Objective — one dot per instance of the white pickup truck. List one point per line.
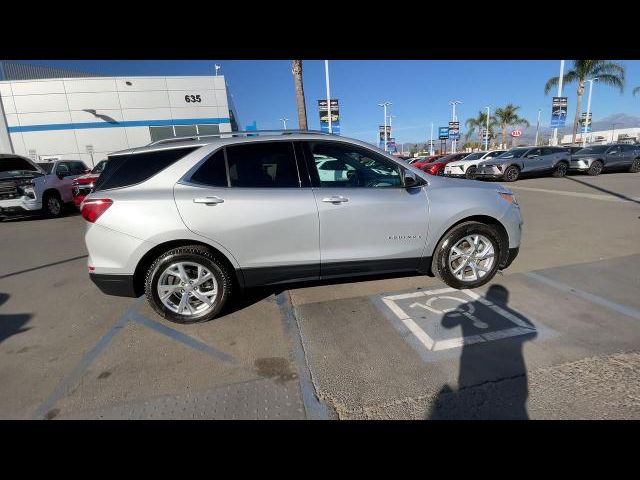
(27, 187)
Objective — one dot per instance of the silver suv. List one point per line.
(526, 161)
(185, 221)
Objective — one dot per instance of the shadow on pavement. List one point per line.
(600, 189)
(492, 378)
(11, 324)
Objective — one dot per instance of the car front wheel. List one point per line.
(511, 174)
(52, 205)
(635, 166)
(468, 255)
(595, 168)
(471, 173)
(188, 285)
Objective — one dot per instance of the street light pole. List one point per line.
(454, 143)
(431, 141)
(561, 78)
(284, 122)
(384, 105)
(326, 78)
(538, 127)
(586, 120)
(486, 140)
(613, 131)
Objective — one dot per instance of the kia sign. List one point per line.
(516, 133)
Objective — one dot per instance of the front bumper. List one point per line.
(117, 285)
(19, 206)
(582, 164)
(513, 253)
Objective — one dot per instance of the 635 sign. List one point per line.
(192, 98)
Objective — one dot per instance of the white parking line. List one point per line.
(592, 196)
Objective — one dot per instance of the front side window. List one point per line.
(78, 168)
(63, 169)
(212, 172)
(263, 165)
(342, 165)
(515, 153)
(614, 149)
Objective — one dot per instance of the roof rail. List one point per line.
(248, 133)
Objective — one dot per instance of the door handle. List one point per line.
(208, 200)
(335, 199)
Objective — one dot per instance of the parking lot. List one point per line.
(556, 336)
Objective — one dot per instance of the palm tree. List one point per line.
(608, 72)
(479, 123)
(508, 116)
(296, 69)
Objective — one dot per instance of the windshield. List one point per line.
(99, 167)
(594, 149)
(47, 167)
(474, 156)
(515, 153)
(15, 167)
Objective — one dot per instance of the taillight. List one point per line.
(92, 209)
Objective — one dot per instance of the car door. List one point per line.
(628, 155)
(614, 157)
(532, 161)
(251, 201)
(372, 223)
(63, 179)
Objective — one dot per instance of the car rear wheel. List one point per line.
(188, 285)
(468, 255)
(561, 169)
(511, 174)
(440, 172)
(52, 205)
(635, 166)
(595, 168)
(471, 173)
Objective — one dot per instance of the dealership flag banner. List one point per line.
(585, 125)
(443, 133)
(391, 146)
(381, 130)
(558, 112)
(324, 117)
(454, 130)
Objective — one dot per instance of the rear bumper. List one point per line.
(117, 285)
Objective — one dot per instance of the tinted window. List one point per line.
(132, 168)
(474, 156)
(263, 165)
(212, 172)
(549, 151)
(493, 154)
(595, 149)
(353, 166)
(99, 167)
(77, 168)
(516, 153)
(63, 168)
(628, 148)
(47, 167)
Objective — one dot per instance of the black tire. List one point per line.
(470, 174)
(52, 206)
(561, 169)
(595, 168)
(440, 266)
(635, 166)
(511, 174)
(196, 254)
(440, 172)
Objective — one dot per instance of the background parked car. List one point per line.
(520, 161)
(436, 167)
(83, 184)
(467, 166)
(426, 160)
(27, 187)
(598, 158)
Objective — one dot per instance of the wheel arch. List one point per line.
(485, 219)
(149, 257)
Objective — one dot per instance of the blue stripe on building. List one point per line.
(127, 123)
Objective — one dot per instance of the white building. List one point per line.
(625, 135)
(88, 117)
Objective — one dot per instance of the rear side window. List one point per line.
(212, 172)
(263, 165)
(130, 169)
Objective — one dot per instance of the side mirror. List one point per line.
(409, 179)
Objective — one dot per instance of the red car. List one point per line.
(421, 164)
(82, 185)
(437, 167)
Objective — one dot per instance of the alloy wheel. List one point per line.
(471, 258)
(187, 288)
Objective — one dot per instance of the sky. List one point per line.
(419, 90)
